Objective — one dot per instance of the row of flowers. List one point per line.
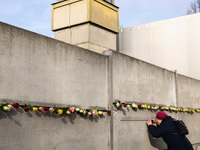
(57, 110)
(119, 104)
(94, 112)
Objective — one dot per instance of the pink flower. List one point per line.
(84, 112)
(94, 112)
(51, 109)
(10, 107)
(41, 108)
(71, 109)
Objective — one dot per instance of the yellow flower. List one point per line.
(35, 108)
(60, 111)
(128, 106)
(145, 106)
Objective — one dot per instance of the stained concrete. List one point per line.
(35, 69)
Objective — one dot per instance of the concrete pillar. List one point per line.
(91, 24)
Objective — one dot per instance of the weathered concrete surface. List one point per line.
(172, 44)
(35, 130)
(189, 97)
(140, 82)
(34, 68)
(135, 80)
(38, 70)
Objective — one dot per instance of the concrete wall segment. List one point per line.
(34, 130)
(188, 91)
(138, 81)
(36, 68)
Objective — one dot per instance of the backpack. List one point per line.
(182, 128)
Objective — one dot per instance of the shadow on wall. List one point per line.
(13, 114)
(157, 142)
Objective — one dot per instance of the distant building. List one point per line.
(172, 44)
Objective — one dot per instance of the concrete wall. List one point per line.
(189, 96)
(137, 81)
(38, 70)
(172, 44)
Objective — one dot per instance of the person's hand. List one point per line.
(149, 122)
(154, 123)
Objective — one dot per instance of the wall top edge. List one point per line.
(79, 0)
(170, 20)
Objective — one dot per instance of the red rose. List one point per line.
(124, 105)
(45, 109)
(26, 109)
(109, 112)
(140, 106)
(16, 105)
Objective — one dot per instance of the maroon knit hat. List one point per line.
(161, 115)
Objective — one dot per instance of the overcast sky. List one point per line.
(35, 15)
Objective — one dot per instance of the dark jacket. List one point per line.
(169, 132)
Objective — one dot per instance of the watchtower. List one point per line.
(91, 24)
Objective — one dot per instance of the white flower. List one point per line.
(89, 113)
(100, 112)
(134, 105)
(68, 112)
(6, 108)
(77, 109)
(118, 104)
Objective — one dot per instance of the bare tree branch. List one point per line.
(198, 3)
(194, 7)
